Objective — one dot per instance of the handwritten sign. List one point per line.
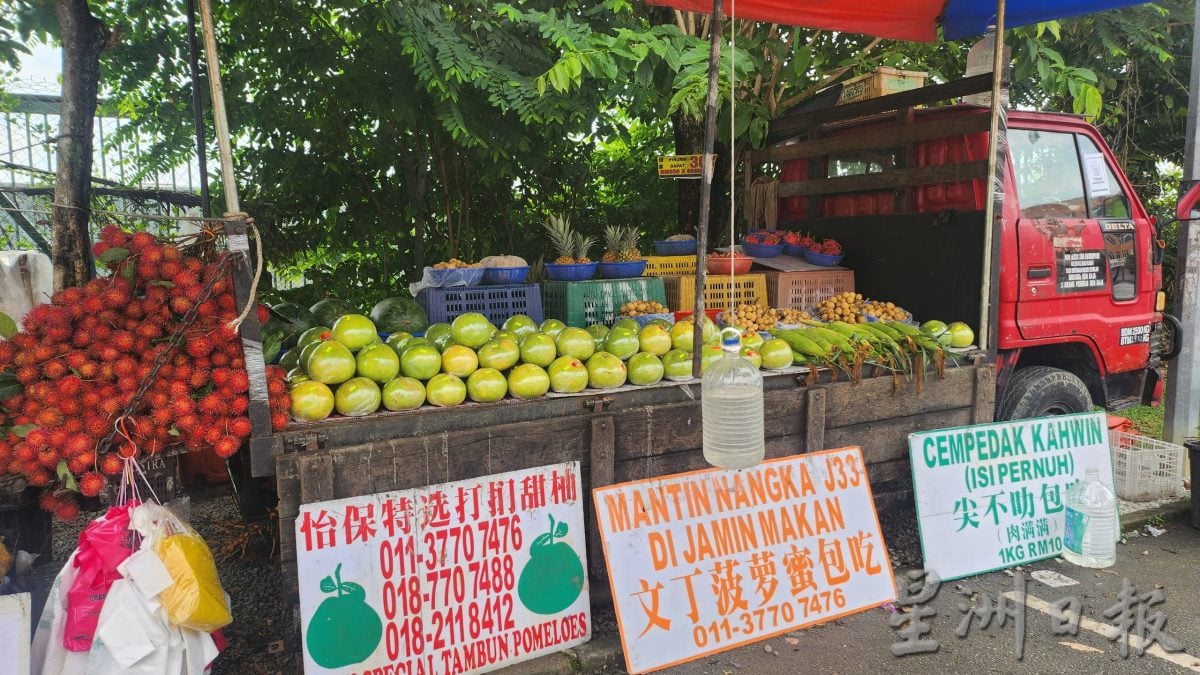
(680, 166)
(462, 577)
(991, 496)
(706, 561)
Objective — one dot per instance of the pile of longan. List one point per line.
(852, 308)
(757, 317)
(642, 308)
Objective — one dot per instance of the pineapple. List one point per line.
(580, 247)
(614, 237)
(629, 246)
(562, 238)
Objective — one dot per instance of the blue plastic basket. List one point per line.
(761, 250)
(679, 247)
(822, 259)
(505, 276)
(622, 270)
(571, 272)
(466, 276)
(796, 251)
(497, 303)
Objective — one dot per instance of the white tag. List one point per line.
(146, 571)
(1053, 579)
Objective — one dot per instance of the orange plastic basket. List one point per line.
(804, 290)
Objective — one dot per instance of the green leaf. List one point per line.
(8, 327)
(113, 256)
(560, 530)
(22, 430)
(127, 272)
(163, 282)
(328, 585)
(9, 386)
(66, 477)
(272, 343)
(1055, 29)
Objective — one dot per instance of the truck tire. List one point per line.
(1171, 334)
(1038, 391)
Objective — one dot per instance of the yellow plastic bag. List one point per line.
(196, 599)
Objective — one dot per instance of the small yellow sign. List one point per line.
(680, 166)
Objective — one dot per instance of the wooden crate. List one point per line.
(750, 289)
(880, 82)
(669, 265)
(803, 290)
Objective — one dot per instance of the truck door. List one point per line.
(1083, 273)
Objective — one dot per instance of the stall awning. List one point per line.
(901, 19)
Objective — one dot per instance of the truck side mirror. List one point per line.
(1187, 203)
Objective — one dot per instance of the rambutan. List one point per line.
(38, 439)
(212, 434)
(113, 235)
(70, 386)
(207, 310)
(240, 427)
(68, 296)
(226, 301)
(48, 500)
(91, 484)
(199, 346)
(54, 369)
(116, 297)
(125, 367)
(187, 423)
(158, 399)
(149, 330)
(24, 452)
(48, 458)
(96, 426)
(198, 378)
(75, 359)
(227, 446)
(78, 444)
(239, 381)
(279, 421)
(219, 359)
(182, 406)
(110, 464)
(122, 340)
(74, 424)
(128, 450)
(276, 387)
(212, 404)
(110, 407)
(141, 241)
(58, 438)
(264, 313)
(154, 446)
(108, 354)
(67, 510)
(179, 389)
(8, 353)
(170, 268)
(43, 352)
(48, 417)
(161, 415)
(180, 304)
(238, 405)
(39, 477)
(128, 384)
(221, 376)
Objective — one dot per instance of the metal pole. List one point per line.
(706, 180)
(1181, 418)
(993, 217)
(197, 107)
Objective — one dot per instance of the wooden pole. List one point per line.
(706, 180)
(994, 209)
(197, 112)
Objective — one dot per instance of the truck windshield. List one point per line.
(1046, 167)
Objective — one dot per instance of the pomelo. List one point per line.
(661, 323)
(306, 352)
(314, 334)
(645, 368)
(290, 320)
(421, 362)
(444, 390)
(501, 353)
(528, 381)
(330, 309)
(627, 324)
(621, 342)
(397, 341)
(681, 335)
(539, 350)
(677, 365)
(486, 385)
(459, 360)
(439, 333)
(654, 339)
(520, 324)
(379, 363)
(297, 375)
(330, 363)
(752, 339)
(776, 354)
(403, 393)
(937, 330)
(568, 375)
(413, 342)
(290, 359)
(311, 401)
(961, 335)
(552, 327)
(508, 334)
(597, 330)
(472, 329)
(606, 371)
(355, 331)
(753, 356)
(357, 397)
(711, 353)
(575, 342)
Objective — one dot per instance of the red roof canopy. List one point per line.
(898, 19)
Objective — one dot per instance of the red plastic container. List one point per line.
(712, 314)
(720, 265)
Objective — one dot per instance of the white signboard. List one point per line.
(707, 561)
(1097, 175)
(463, 577)
(15, 633)
(991, 496)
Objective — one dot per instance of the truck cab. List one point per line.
(1076, 295)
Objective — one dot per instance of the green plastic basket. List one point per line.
(583, 303)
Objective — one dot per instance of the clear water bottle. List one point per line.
(732, 404)
(1090, 539)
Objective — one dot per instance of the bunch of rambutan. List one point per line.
(81, 359)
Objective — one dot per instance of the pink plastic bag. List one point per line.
(103, 545)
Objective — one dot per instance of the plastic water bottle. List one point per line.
(732, 403)
(1090, 539)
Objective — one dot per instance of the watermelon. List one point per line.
(394, 315)
(288, 320)
(326, 311)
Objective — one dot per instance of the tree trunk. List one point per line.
(83, 38)
(689, 140)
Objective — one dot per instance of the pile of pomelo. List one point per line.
(348, 368)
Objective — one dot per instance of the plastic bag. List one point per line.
(447, 278)
(47, 656)
(103, 545)
(195, 599)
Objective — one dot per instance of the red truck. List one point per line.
(1077, 303)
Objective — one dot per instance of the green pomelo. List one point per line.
(397, 341)
(501, 353)
(330, 362)
(752, 339)
(681, 336)
(314, 334)
(710, 355)
(775, 354)
(645, 368)
(459, 360)
(575, 342)
(753, 356)
(552, 327)
(528, 381)
(357, 397)
(661, 323)
(961, 335)
(439, 334)
(290, 359)
(421, 362)
(297, 375)
(378, 362)
(311, 401)
(654, 339)
(597, 330)
(539, 350)
(520, 324)
(606, 371)
(486, 385)
(355, 331)
(622, 342)
(403, 393)
(677, 365)
(627, 324)
(568, 375)
(507, 334)
(472, 329)
(445, 390)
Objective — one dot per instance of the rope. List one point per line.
(258, 268)
(732, 145)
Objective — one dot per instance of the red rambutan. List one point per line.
(89, 370)
(240, 427)
(74, 424)
(141, 241)
(219, 359)
(198, 378)
(75, 359)
(70, 386)
(199, 346)
(48, 418)
(149, 330)
(122, 340)
(279, 421)
(182, 406)
(24, 452)
(48, 500)
(227, 446)
(110, 464)
(96, 426)
(212, 433)
(275, 386)
(238, 405)
(38, 439)
(48, 458)
(54, 369)
(67, 510)
(78, 444)
(110, 407)
(161, 415)
(180, 305)
(113, 235)
(212, 404)
(128, 450)
(91, 484)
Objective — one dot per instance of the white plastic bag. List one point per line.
(47, 656)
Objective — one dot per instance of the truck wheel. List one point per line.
(1170, 341)
(1038, 391)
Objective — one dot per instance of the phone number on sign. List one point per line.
(766, 619)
